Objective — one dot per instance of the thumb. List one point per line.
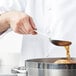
(32, 23)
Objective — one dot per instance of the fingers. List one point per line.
(33, 32)
(26, 26)
(32, 23)
(20, 28)
(29, 26)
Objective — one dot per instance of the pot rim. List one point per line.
(48, 63)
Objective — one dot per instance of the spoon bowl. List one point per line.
(61, 42)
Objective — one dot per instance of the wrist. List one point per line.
(4, 23)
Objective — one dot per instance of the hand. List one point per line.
(21, 22)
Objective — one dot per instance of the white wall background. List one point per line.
(10, 55)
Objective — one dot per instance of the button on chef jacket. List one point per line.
(54, 19)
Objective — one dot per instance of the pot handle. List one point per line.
(20, 70)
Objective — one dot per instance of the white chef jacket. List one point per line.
(53, 18)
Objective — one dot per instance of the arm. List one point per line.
(19, 22)
(4, 25)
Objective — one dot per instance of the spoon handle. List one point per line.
(46, 35)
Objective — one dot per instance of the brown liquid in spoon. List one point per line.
(60, 42)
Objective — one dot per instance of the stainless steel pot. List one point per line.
(46, 67)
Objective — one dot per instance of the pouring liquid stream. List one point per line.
(66, 45)
(67, 48)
